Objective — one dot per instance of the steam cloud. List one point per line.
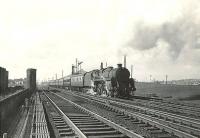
(185, 31)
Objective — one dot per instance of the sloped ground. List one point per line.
(183, 92)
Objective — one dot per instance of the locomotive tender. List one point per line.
(112, 82)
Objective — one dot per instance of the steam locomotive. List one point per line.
(111, 82)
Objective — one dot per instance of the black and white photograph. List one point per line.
(100, 69)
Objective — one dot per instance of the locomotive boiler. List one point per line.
(113, 82)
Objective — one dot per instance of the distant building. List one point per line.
(31, 79)
(186, 82)
(3, 80)
(182, 82)
(16, 82)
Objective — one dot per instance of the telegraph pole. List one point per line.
(166, 79)
(79, 64)
(62, 77)
(76, 65)
(150, 77)
(131, 71)
(56, 81)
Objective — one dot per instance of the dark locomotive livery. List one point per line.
(112, 82)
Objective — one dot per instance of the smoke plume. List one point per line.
(183, 32)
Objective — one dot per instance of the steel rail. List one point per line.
(148, 119)
(68, 121)
(183, 119)
(110, 123)
(191, 121)
(167, 123)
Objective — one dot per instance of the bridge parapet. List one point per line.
(9, 106)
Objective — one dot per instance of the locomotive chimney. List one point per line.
(124, 61)
(119, 65)
(101, 67)
(73, 71)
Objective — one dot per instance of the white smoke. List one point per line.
(178, 34)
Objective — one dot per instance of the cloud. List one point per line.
(182, 32)
(169, 47)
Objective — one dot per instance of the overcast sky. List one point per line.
(159, 37)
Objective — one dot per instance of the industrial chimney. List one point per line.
(101, 67)
(124, 61)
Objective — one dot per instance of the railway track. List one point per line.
(193, 122)
(189, 110)
(174, 124)
(173, 107)
(72, 120)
